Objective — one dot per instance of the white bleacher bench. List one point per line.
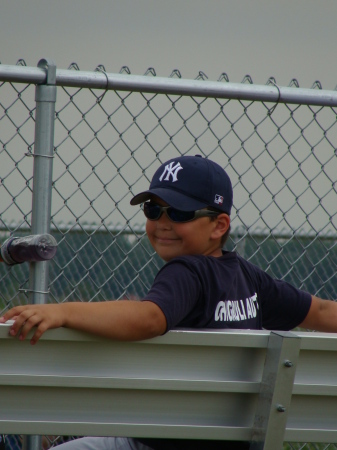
(258, 386)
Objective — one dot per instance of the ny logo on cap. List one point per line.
(171, 170)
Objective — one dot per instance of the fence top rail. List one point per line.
(171, 86)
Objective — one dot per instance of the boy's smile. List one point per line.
(171, 239)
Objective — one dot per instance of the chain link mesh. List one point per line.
(281, 159)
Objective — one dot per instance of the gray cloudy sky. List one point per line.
(285, 39)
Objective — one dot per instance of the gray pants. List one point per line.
(103, 443)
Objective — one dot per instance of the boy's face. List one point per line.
(198, 237)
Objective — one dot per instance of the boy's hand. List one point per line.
(124, 320)
(43, 317)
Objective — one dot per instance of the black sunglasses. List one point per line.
(153, 211)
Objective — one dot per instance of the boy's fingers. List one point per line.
(38, 333)
(5, 317)
(27, 325)
(23, 321)
(16, 326)
(13, 313)
(27, 317)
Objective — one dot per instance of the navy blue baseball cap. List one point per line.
(189, 183)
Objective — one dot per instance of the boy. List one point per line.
(188, 210)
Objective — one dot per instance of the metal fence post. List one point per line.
(45, 97)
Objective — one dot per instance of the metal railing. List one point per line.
(259, 386)
(76, 146)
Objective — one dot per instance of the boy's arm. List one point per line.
(322, 316)
(125, 320)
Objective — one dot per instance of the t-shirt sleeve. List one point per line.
(284, 307)
(176, 290)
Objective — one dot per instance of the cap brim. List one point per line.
(172, 198)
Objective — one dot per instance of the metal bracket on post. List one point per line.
(276, 391)
(50, 67)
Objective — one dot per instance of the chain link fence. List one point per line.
(108, 142)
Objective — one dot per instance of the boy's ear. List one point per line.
(222, 223)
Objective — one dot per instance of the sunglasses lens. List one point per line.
(180, 216)
(152, 211)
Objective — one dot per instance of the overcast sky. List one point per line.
(285, 39)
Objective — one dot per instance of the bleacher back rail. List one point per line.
(259, 386)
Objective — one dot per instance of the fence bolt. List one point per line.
(280, 408)
(288, 363)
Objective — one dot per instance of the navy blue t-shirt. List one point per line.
(198, 291)
(227, 292)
